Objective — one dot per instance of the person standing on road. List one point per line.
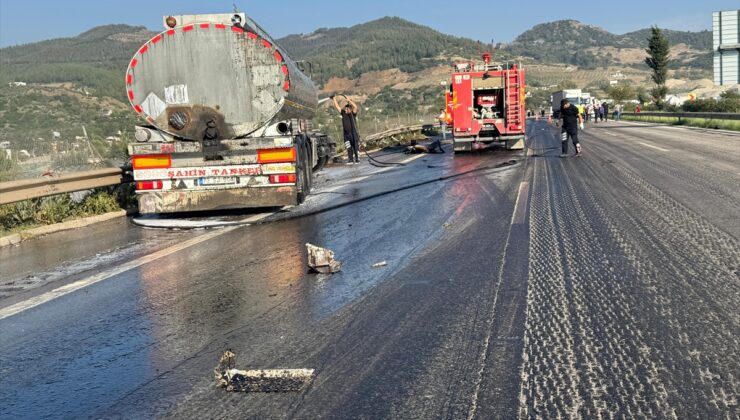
(617, 111)
(442, 118)
(570, 120)
(606, 111)
(349, 128)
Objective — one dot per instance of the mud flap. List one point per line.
(459, 146)
(515, 144)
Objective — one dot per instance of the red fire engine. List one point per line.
(486, 102)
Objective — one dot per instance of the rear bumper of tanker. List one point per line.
(191, 201)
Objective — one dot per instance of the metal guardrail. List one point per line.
(14, 191)
(679, 115)
(399, 130)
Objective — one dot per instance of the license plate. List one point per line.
(220, 180)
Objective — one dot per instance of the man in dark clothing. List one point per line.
(606, 111)
(570, 120)
(349, 129)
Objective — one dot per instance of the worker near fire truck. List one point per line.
(570, 120)
(442, 118)
(349, 128)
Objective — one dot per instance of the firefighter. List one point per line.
(570, 120)
(349, 128)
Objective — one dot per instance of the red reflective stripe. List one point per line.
(283, 179)
(170, 32)
(143, 49)
(131, 94)
(134, 62)
(149, 185)
(278, 56)
(285, 70)
(266, 44)
(129, 78)
(138, 109)
(252, 35)
(156, 39)
(205, 25)
(286, 85)
(237, 29)
(220, 26)
(187, 28)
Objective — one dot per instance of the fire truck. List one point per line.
(486, 101)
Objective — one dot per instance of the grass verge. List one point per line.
(28, 214)
(733, 125)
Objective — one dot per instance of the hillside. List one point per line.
(576, 43)
(392, 65)
(387, 43)
(95, 59)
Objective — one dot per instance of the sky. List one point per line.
(500, 21)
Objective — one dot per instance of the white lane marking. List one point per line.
(412, 158)
(653, 147)
(482, 359)
(80, 284)
(520, 206)
(255, 218)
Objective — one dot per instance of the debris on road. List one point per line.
(433, 147)
(380, 264)
(261, 380)
(321, 260)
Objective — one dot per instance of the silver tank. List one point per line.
(216, 76)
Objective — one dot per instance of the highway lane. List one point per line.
(115, 341)
(605, 285)
(633, 281)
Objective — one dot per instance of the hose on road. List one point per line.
(384, 193)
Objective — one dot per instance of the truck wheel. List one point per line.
(304, 173)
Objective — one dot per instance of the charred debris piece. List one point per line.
(260, 380)
(321, 260)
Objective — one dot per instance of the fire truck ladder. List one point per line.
(513, 98)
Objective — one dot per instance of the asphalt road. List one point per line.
(600, 286)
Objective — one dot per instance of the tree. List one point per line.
(657, 59)
(621, 93)
(642, 95)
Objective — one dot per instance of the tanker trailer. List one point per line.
(228, 118)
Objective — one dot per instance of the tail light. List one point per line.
(148, 185)
(276, 155)
(283, 179)
(151, 162)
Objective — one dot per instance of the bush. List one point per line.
(727, 103)
(18, 214)
(55, 210)
(99, 203)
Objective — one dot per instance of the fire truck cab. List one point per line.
(486, 101)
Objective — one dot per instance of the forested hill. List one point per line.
(95, 59)
(381, 44)
(573, 42)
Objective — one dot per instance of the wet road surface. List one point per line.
(601, 285)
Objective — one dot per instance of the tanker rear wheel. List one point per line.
(304, 172)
